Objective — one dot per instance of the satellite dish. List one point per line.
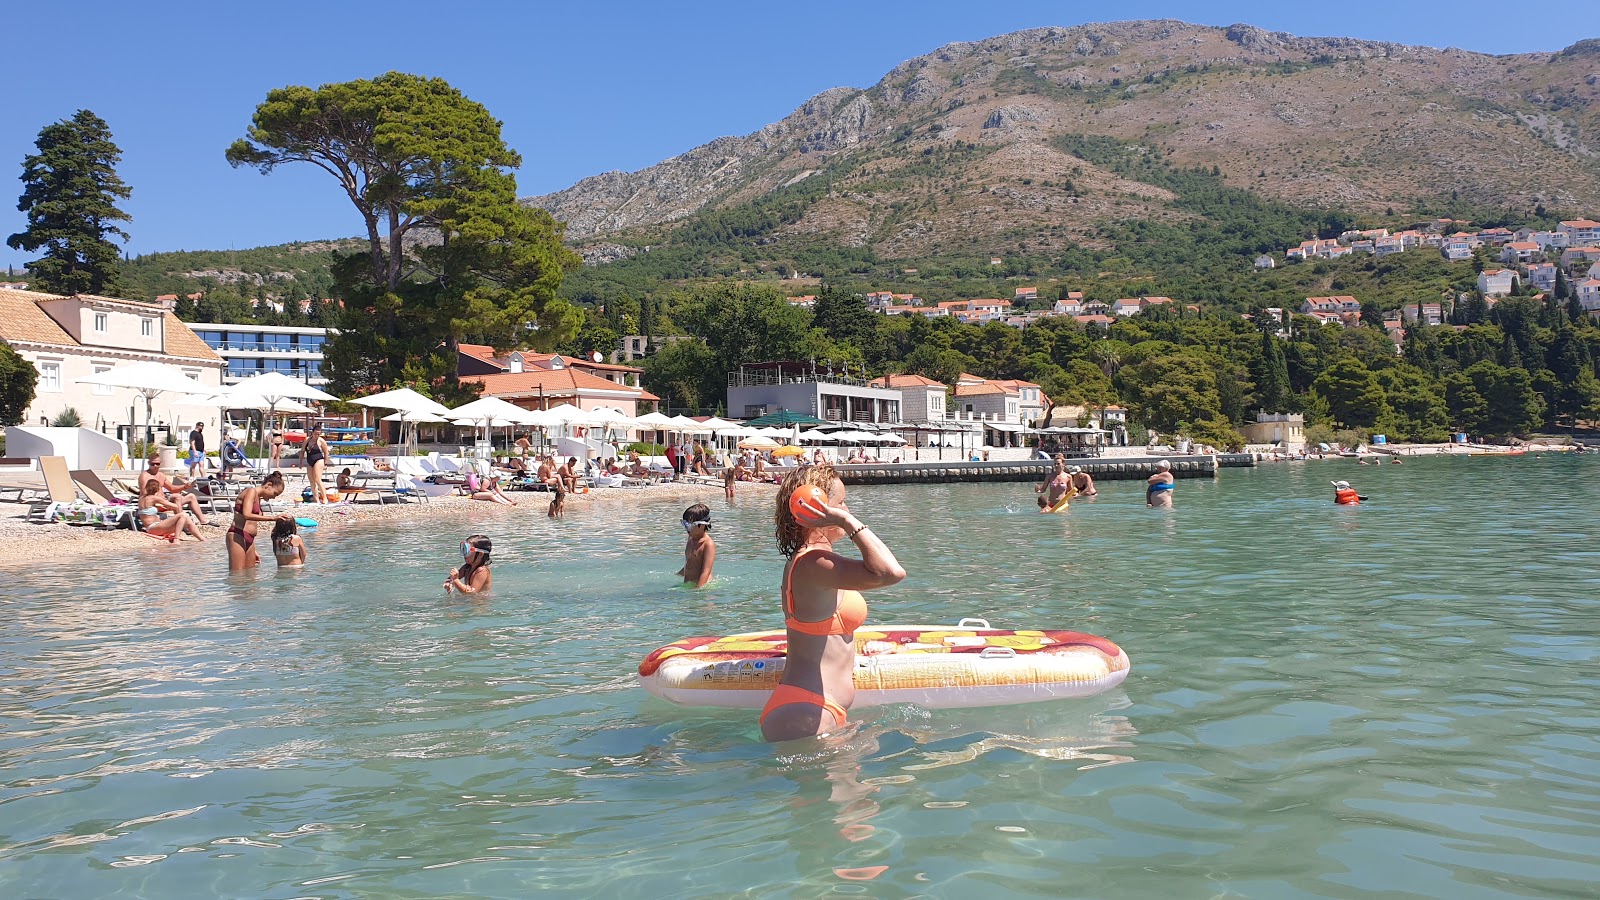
(597, 356)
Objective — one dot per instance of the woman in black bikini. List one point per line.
(316, 458)
(241, 536)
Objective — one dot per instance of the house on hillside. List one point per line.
(1070, 305)
(1341, 304)
(1496, 236)
(1027, 293)
(1519, 252)
(1588, 291)
(1577, 259)
(71, 337)
(806, 301)
(1542, 276)
(1496, 282)
(1126, 306)
(1456, 249)
(1100, 319)
(1581, 232)
(637, 346)
(1388, 246)
(1431, 313)
(1545, 239)
(1266, 262)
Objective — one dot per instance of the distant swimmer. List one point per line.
(1082, 482)
(1158, 487)
(1345, 495)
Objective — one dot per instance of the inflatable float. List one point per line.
(1061, 504)
(934, 666)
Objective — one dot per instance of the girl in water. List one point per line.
(287, 547)
(241, 537)
(474, 576)
(821, 605)
(152, 504)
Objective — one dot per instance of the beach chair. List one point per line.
(21, 487)
(59, 489)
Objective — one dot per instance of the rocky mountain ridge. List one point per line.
(1316, 122)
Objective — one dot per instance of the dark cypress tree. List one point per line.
(70, 192)
(1273, 391)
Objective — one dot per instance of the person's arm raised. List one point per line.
(877, 567)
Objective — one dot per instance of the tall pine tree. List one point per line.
(70, 194)
(1272, 376)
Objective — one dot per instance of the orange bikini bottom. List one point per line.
(785, 694)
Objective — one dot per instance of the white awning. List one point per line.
(1003, 426)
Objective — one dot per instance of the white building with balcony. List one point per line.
(256, 349)
(756, 389)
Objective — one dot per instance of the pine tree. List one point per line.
(70, 191)
(1272, 377)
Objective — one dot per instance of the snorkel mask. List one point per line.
(689, 526)
(466, 550)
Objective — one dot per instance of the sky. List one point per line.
(582, 88)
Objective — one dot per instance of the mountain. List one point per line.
(1033, 142)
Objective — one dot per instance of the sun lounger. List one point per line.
(59, 488)
(22, 487)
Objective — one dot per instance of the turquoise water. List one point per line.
(1325, 701)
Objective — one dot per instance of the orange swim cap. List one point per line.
(806, 504)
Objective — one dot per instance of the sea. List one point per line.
(1396, 699)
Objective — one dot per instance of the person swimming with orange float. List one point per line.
(1345, 495)
(822, 606)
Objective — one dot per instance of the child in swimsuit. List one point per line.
(700, 553)
(286, 544)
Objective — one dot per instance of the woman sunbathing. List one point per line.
(152, 504)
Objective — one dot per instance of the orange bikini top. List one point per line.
(849, 615)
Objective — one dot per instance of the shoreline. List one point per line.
(21, 541)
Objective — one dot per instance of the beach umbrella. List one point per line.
(276, 387)
(414, 417)
(815, 435)
(485, 410)
(790, 450)
(148, 380)
(408, 404)
(757, 443)
(688, 425)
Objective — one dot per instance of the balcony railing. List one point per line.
(241, 347)
(751, 379)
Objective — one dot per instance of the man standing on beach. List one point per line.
(197, 450)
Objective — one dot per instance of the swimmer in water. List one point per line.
(474, 576)
(821, 606)
(700, 553)
(1082, 482)
(1158, 487)
(1056, 485)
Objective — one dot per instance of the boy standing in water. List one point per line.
(700, 553)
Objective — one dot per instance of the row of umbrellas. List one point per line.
(276, 392)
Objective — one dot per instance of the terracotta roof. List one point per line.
(557, 382)
(21, 319)
(180, 341)
(1013, 383)
(974, 390)
(905, 380)
(481, 352)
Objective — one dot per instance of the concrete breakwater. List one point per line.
(1115, 469)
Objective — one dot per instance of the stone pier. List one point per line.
(1110, 469)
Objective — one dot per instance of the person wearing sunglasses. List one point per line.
(474, 576)
(700, 553)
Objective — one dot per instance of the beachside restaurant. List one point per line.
(1073, 442)
(757, 389)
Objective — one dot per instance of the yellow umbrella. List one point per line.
(790, 450)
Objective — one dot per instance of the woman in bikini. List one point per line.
(316, 459)
(246, 513)
(152, 504)
(822, 608)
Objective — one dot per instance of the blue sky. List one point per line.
(582, 88)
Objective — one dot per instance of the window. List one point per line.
(100, 323)
(50, 376)
(147, 327)
(101, 389)
(192, 374)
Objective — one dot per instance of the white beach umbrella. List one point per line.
(276, 387)
(688, 425)
(485, 410)
(720, 425)
(409, 406)
(758, 442)
(817, 436)
(147, 379)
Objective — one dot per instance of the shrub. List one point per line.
(67, 418)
